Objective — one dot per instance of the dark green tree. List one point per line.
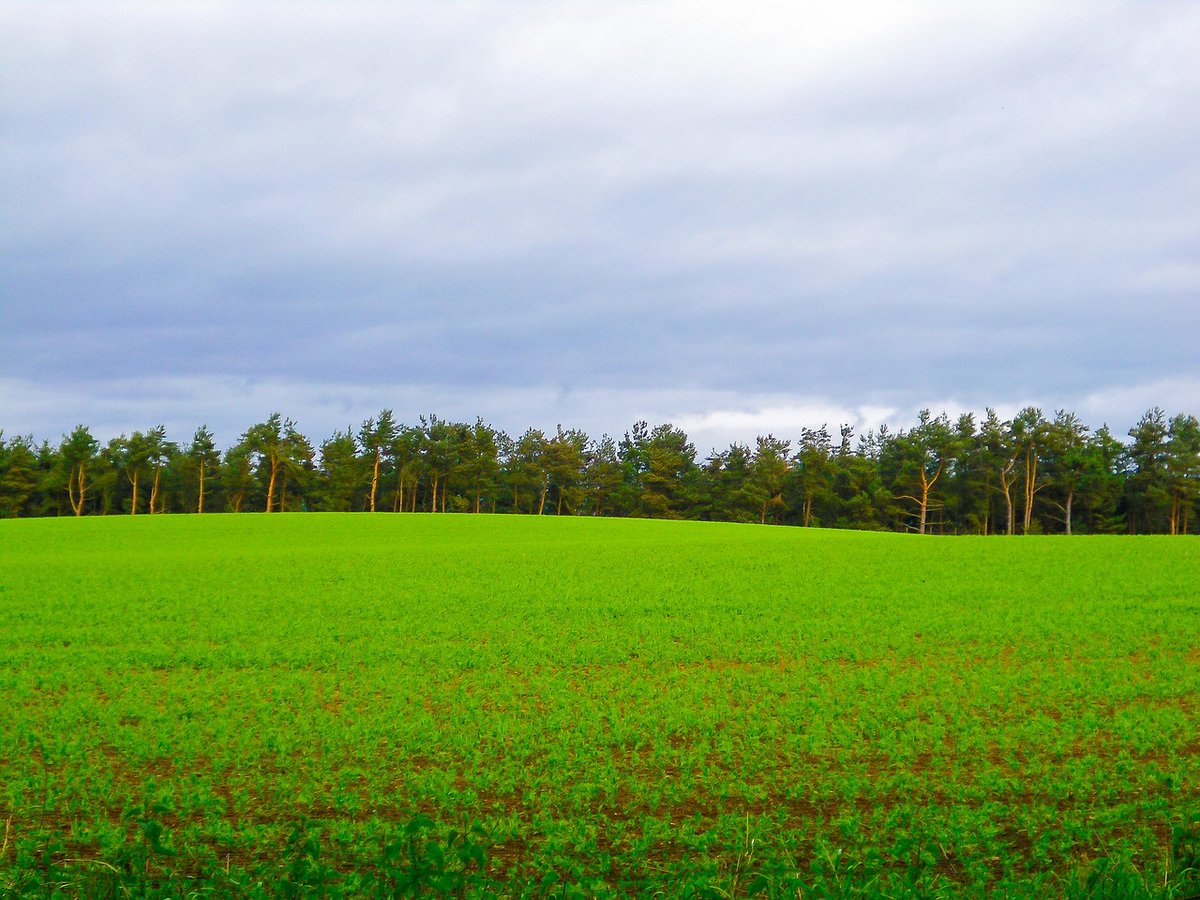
(1102, 482)
(297, 468)
(338, 473)
(76, 454)
(264, 442)
(1147, 490)
(1030, 434)
(132, 456)
(999, 454)
(378, 438)
(441, 451)
(18, 474)
(203, 460)
(1182, 470)
(159, 452)
(481, 464)
(526, 471)
(967, 494)
(631, 451)
(408, 461)
(237, 475)
(816, 474)
(110, 480)
(917, 461)
(728, 494)
(670, 464)
(768, 475)
(1067, 461)
(603, 477)
(566, 458)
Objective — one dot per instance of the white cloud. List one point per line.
(1121, 406)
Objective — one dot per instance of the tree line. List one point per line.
(1026, 475)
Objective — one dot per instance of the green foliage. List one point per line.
(1027, 475)
(325, 705)
(342, 472)
(1147, 490)
(18, 474)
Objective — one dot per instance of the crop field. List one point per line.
(345, 705)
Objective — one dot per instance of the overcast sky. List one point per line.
(737, 217)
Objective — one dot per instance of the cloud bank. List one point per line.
(741, 217)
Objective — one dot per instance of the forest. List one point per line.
(1031, 474)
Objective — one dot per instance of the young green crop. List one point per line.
(369, 705)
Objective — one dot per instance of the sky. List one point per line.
(737, 217)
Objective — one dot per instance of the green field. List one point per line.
(307, 704)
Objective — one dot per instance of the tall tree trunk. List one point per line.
(1006, 483)
(1030, 489)
(433, 498)
(808, 504)
(542, 500)
(200, 502)
(154, 488)
(375, 477)
(133, 480)
(271, 484)
(922, 502)
(75, 490)
(926, 488)
(1067, 511)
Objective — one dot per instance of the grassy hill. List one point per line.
(512, 705)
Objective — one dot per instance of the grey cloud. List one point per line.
(633, 198)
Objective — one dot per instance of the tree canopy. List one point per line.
(1027, 475)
